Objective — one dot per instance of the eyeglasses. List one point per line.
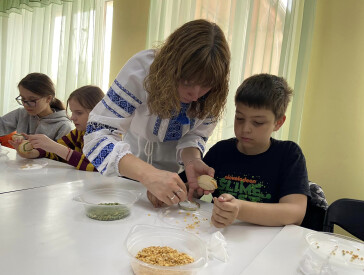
(29, 103)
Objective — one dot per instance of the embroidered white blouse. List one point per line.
(124, 111)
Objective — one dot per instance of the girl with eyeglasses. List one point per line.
(42, 112)
(69, 147)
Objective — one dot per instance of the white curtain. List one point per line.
(64, 41)
(265, 36)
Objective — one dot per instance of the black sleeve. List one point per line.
(294, 178)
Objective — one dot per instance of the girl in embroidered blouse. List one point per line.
(165, 102)
(69, 147)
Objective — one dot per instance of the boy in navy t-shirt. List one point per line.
(260, 180)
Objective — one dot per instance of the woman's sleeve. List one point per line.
(197, 137)
(113, 114)
(9, 122)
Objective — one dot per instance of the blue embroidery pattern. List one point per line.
(156, 126)
(174, 130)
(103, 170)
(102, 155)
(208, 122)
(121, 102)
(95, 126)
(93, 148)
(111, 109)
(192, 123)
(175, 126)
(201, 146)
(127, 92)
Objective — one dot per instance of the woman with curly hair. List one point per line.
(165, 103)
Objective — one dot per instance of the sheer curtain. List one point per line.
(63, 39)
(265, 36)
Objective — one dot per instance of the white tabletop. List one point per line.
(15, 176)
(43, 231)
(283, 255)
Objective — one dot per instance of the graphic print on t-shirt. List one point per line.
(249, 188)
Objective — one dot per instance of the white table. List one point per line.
(284, 253)
(13, 178)
(43, 231)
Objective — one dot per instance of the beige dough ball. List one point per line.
(206, 182)
(25, 147)
(17, 137)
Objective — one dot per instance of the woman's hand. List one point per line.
(225, 211)
(29, 155)
(153, 199)
(167, 187)
(195, 168)
(42, 142)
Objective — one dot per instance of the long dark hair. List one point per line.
(43, 86)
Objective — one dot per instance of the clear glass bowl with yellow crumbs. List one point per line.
(336, 250)
(186, 252)
(108, 204)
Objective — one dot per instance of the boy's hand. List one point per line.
(153, 199)
(30, 155)
(225, 211)
(194, 169)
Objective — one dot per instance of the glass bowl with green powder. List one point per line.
(108, 204)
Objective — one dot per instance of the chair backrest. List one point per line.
(348, 214)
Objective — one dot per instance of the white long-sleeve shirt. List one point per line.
(124, 111)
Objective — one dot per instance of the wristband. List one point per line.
(69, 151)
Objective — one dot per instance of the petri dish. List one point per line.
(33, 164)
(189, 205)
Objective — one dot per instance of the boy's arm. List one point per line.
(291, 209)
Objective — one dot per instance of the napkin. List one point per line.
(216, 247)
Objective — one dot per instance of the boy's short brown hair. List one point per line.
(265, 91)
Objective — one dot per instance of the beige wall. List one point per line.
(129, 32)
(332, 136)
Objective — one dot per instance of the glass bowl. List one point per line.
(108, 204)
(142, 236)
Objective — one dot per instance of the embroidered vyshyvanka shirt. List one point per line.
(124, 111)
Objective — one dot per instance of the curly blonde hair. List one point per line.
(197, 52)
